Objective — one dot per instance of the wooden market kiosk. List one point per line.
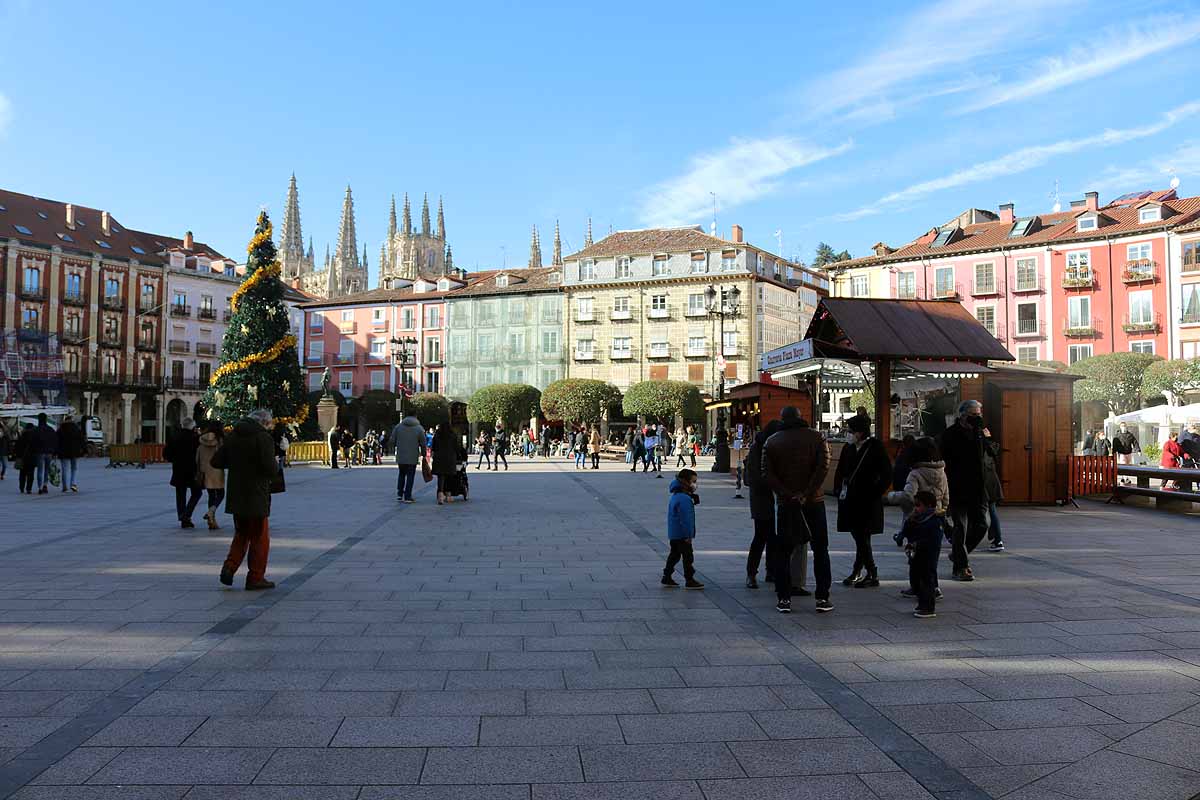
(922, 358)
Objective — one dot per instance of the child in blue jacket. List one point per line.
(922, 539)
(681, 528)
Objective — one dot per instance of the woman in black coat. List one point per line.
(181, 452)
(445, 459)
(864, 473)
(762, 507)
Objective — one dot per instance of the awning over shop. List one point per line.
(947, 369)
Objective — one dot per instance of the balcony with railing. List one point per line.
(1190, 262)
(621, 354)
(33, 292)
(1081, 328)
(181, 310)
(180, 383)
(1079, 278)
(730, 351)
(347, 328)
(581, 316)
(585, 355)
(663, 312)
(1143, 323)
(111, 340)
(148, 307)
(1190, 317)
(1025, 285)
(206, 313)
(948, 291)
(180, 346)
(147, 344)
(697, 351)
(658, 350)
(1141, 270)
(620, 314)
(1030, 329)
(985, 288)
(696, 311)
(341, 358)
(74, 299)
(71, 336)
(206, 348)
(114, 302)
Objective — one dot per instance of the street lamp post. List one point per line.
(402, 354)
(721, 304)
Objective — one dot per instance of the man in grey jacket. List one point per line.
(408, 439)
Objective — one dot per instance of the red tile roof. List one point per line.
(46, 221)
(520, 281)
(653, 240)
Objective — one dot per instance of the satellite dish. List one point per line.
(1057, 207)
(1174, 180)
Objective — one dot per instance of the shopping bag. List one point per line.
(426, 471)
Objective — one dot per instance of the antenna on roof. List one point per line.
(779, 238)
(713, 228)
(1054, 196)
(1174, 177)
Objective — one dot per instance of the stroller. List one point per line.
(458, 485)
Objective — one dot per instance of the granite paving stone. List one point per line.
(1038, 745)
(843, 787)
(183, 765)
(1039, 713)
(622, 790)
(641, 762)
(309, 766)
(810, 757)
(77, 766)
(727, 726)
(550, 730)
(135, 731)
(599, 701)
(264, 732)
(1167, 742)
(408, 731)
(472, 765)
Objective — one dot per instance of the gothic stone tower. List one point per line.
(295, 262)
(410, 253)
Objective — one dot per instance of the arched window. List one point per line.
(30, 319)
(33, 280)
(112, 287)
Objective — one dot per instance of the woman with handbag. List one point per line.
(864, 473)
(445, 461)
(212, 479)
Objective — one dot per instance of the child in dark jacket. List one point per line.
(681, 528)
(923, 533)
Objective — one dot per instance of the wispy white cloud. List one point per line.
(5, 114)
(1022, 160)
(1103, 54)
(744, 171)
(945, 35)
(1153, 173)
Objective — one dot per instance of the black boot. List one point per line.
(869, 580)
(851, 579)
(751, 580)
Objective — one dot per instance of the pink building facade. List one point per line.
(1061, 286)
(358, 337)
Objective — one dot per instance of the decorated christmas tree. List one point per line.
(259, 366)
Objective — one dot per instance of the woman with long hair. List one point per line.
(445, 460)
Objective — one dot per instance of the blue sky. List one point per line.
(844, 123)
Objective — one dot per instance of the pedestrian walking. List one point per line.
(922, 537)
(1171, 458)
(5, 450)
(347, 443)
(408, 441)
(629, 437)
(966, 447)
(693, 444)
(484, 443)
(762, 510)
(681, 529)
(864, 473)
(445, 461)
(737, 453)
(639, 450)
(928, 474)
(1125, 444)
(335, 444)
(502, 441)
(248, 452)
(45, 443)
(212, 479)
(181, 453)
(25, 451)
(70, 447)
(681, 447)
(1101, 445)
(795, 461)
(1189, 442)
(594, 446)
(994, 491)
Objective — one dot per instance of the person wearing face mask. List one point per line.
(864, 473)
(969, 452)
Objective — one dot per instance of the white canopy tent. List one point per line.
(1154, 424)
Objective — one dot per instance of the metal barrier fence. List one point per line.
(1092, 475)
(134, 455)
(299, 452)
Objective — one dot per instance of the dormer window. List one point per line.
(501, 281)
(1150, 214)
(443, 285)
(420, 287)
(1020, 228)
(1088, 223)
(555, 277)
(944, 237)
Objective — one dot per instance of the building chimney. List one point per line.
(1006, 212)
(736, 234)
(106, 223)
(1092, 201)
(187, 240)
(70, 216)
(882, 249)
(296, 283)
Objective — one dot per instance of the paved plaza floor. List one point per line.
(519, 647)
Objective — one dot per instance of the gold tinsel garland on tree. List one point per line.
(270, 271)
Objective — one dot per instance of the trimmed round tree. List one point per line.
(512, 403)
(579, 400)
(1172, 379)
(663, 400)
(1114, 379)
(259, 366)
(430, 408)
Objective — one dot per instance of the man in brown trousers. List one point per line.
(248, 452)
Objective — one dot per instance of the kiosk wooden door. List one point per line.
(1027, 451)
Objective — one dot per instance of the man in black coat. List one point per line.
(181, 452)
(969, 452)
(45, 443)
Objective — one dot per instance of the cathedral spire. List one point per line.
(449, 260)
(556, 259)
(309, 257)
(363, 264)
(392, 220)
(407, 217)
(587, 237)
(384, 267)
(327, 259)
(331, 281)
(291, 240)
(441, 221)
(535, 250)
(425, 227)
(347, 245)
